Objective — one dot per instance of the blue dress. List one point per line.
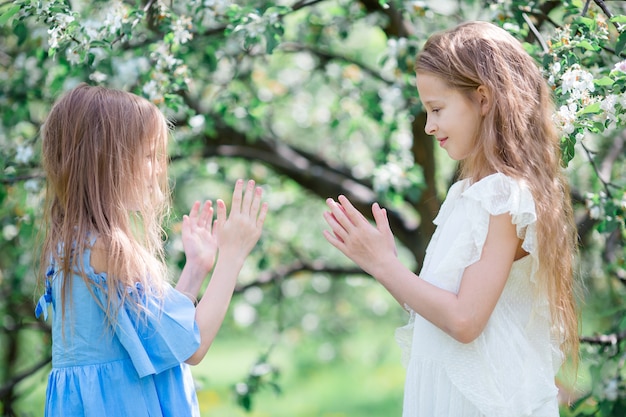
(134, 369)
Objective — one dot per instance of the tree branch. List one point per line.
(329, 56)
(611, 339)
(280, 273)
(8, 387)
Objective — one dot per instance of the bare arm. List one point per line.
(200, 246)
(464, 315)
(236, 235)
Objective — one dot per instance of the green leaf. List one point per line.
(591, 109)
(604, 82)
(618, 19)
(588, 45)
(589, 23)
(621, 43)
(6, 16)
(21, 32)
(567, 149)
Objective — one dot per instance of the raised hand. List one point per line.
(356, 237)
(199, 243)
(238, 232)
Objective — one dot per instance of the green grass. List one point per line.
(367, 380)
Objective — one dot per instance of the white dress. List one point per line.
(508, 371)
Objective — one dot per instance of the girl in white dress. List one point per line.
(492, 312)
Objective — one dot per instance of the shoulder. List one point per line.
(99, 256)
(499, 193)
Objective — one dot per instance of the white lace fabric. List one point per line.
(508, 371)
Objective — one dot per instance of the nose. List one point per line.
(430, 127)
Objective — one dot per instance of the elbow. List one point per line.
(464, 330)
(193, 360)
(198, 355)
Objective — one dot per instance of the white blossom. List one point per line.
(241, 388)
(164, 58)
(620, 66)
(32, 186)
(554, 70)
(261, 369)
(9, 232)
(577, 82)
(115, 18)
(565, 118)
(56, 33)
(72, 55)
(390, 175)
(152, 91)
(24, 154)
(607, 104)
(181, 30)
(397, 47)
(97, 77)
(611, 389)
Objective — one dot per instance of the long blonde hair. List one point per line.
(95, 142)
(517, 137)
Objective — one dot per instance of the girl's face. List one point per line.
(452, 117)
(147, 172)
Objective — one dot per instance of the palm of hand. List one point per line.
(199, 242)
(365, 244)
(239, 232)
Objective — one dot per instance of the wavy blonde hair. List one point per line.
(517, 137)
(96, 144)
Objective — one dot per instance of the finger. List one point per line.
(261, 218)
(382, 223)
(380, 217)
(339, 214)
(193, 213)
(221, 214)
(206, 215)
(351, 212)
(338, 230)
(186, 221)
(256, 201)
(333, 240)
(236, 202)
(248, 197)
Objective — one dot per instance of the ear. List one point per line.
(484, 99)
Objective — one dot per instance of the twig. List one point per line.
(597, 170)
(19, 377)
(605, 9)
(145, 10)
(304, 3)
(534, 30)
(611, 339)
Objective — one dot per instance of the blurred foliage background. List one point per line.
(312, 99)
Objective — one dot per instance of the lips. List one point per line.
(442, 141)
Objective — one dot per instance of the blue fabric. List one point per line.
(135, 369)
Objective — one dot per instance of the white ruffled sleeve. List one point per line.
(499, 194)
(466, 230)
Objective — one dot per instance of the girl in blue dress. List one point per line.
(122, 336)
